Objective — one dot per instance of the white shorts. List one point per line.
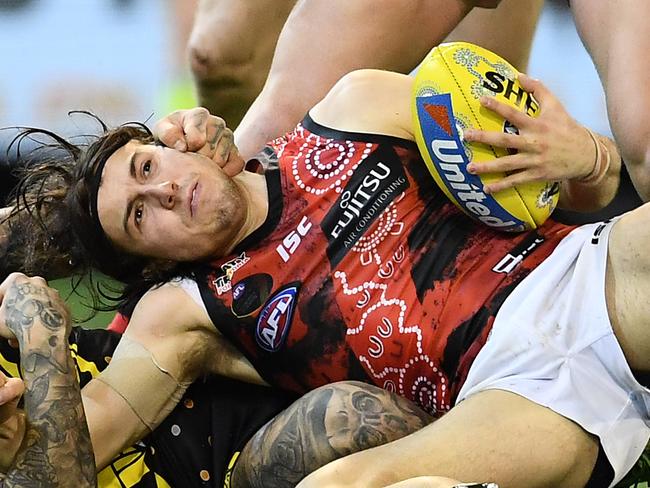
(552, 342)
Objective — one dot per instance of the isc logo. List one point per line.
(291, 242)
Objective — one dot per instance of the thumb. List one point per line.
(169, 131)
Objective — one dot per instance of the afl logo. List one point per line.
(275, 319)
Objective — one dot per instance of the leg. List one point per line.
(230, 50)
(615, 34)
(324, 39)
(492, 436)
(507, 30)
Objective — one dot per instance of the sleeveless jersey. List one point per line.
(197, 444)
(364, 270)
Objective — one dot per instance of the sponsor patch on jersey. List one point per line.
(375, 183)
(222, 283)
(595, 239)
(274, 321)
(249, 294)
(518, 253)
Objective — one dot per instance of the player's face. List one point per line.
(12, 432)
(159, 202)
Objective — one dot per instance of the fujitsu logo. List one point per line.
(370, 190)
(353, 203)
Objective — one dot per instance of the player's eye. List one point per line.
(137, 215)
(146, 168)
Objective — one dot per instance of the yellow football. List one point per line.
(446, 95)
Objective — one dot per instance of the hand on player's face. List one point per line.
(550, 147)
(196, 130)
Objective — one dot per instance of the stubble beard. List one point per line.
(230, 216)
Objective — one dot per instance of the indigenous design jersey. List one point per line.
(364, 270)
(196, 446)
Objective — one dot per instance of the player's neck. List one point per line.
(254, 191)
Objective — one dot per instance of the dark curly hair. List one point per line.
(52, 222)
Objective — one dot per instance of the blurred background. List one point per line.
(126, 60)
(123, 59)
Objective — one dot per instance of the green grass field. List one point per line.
(80, 303)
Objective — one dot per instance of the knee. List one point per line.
(228, 65)
(219, 64)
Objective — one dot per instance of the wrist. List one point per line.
(40, 335)
(601, 163)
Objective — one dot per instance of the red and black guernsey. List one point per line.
(364, 270)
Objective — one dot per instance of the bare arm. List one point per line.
(170, 342)
(168, 347)
(326, 424)
(550, 147)
(56, 450)
(615, 34)
(324, 39)
(369, 101)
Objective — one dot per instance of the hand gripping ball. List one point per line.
(446, 96)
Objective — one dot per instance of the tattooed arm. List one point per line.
(326, 424)
(56, 450)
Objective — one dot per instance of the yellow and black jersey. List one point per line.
(197, 445)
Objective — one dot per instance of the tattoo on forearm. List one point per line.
(57, 451)
(322, 426)
(27, 303)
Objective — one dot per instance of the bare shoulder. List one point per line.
(168, 319)
(368, 100)
(168, 309)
